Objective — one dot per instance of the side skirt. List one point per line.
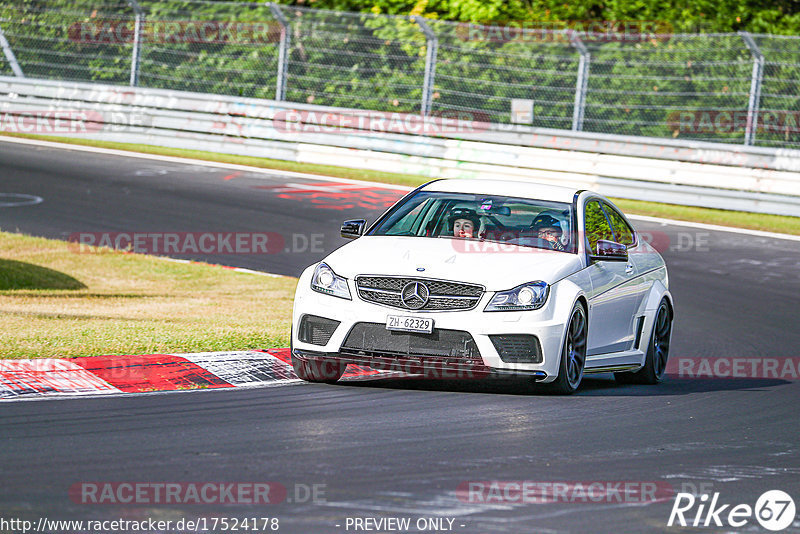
(619, 368)
(629, 360)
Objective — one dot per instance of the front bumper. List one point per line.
(429, 367)
(475, 357)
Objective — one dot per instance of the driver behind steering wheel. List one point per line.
(549, 229)
(464, 222)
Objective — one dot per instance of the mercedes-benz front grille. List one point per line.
(411, 293)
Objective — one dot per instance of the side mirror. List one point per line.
(353, 228)
(610, 251)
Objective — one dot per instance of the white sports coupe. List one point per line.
(464, 278)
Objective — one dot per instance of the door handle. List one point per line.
(629, 268)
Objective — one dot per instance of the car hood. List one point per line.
(495, 266)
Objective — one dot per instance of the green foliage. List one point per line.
(45, 37)
(677, 86)
(713, 16)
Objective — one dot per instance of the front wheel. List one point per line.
(318, 370)
(655, 363)
(313, 370)
(573, 353)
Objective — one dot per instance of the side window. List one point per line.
(408, 222)
(596, 226)
(623, 232)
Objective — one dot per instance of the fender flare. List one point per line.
(657, 292)
(568, 294)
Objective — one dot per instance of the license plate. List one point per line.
(405, 323)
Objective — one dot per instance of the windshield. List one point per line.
(519, 221)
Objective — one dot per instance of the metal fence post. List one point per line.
(432, 48)
(10, 57)
(582, 81)
(283, 52)
(137, 41)
(755, 88)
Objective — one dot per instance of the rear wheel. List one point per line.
(655, 363)
(573, 353)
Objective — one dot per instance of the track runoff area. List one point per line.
(386, 452)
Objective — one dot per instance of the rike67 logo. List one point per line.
(774, 510)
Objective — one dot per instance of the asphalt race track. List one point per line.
(402, 448)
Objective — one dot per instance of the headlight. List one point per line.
(328, 282)
(530, 296)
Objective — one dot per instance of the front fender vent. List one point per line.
(517, 348)
(316, 330)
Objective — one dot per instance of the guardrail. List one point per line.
(714, 175)
(637, 78)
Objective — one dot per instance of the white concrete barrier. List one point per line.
(690, 173)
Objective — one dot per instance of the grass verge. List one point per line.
(57, 303)
(739, 219)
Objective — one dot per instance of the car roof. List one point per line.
(510, 188)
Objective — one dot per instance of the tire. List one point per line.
(323, 371)
(573, 353)
(655, 362)
(316, 370)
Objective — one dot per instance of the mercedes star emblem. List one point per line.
(415, 295)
